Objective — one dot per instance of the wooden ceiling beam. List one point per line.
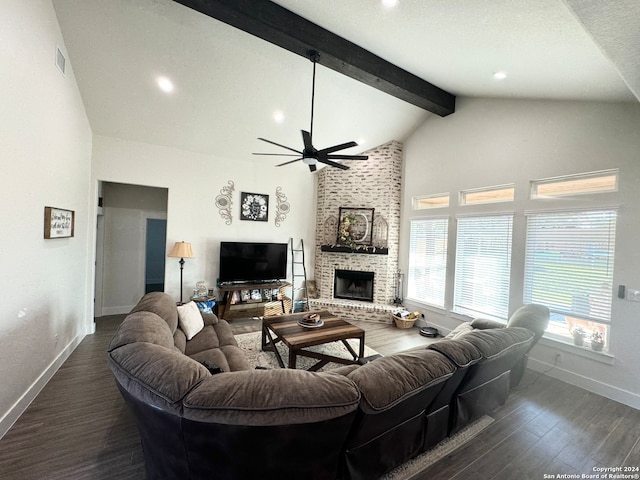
(280, 26)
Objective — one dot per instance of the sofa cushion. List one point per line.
(156, 375)
(142, 327)
(211, 336)
(495, 342)
(459, 331)
(459, 351)
(162, 305)
(228, 357)
(190, 319)
(389, 380)
(271, 397)
(180, 340)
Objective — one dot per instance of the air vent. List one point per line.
(60, 60)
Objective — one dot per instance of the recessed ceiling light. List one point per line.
(390, 3)
(165, 84)
(499, 75)
(278, 116)
(361, 141)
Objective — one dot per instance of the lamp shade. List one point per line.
(181, 250)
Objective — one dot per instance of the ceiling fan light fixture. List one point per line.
(310, 155)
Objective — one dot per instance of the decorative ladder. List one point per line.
(297, 264)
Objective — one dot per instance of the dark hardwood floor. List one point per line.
(79, 428)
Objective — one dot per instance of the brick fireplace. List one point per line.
(353, 285)
(375, 183)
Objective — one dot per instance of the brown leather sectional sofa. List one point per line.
(356, 422)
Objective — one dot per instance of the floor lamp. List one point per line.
(181, 250)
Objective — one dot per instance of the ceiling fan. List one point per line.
(309, 154)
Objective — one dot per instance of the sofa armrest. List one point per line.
(209, 318)
(486, 324)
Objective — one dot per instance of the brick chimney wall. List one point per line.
(375, 183)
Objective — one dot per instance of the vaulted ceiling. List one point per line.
(228, 84)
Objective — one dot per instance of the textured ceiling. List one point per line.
(229, 83)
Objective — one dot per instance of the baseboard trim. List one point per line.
(609, 391)
(18, 408)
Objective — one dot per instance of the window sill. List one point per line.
(426, 306)
(585, 352)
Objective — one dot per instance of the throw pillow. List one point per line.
(191, 322)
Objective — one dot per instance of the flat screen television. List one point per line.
(252, 262)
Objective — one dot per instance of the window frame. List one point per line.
(441, 277)
(535, 184)
(463, 195)
(573, 316)
(462, 280)
(415, 201)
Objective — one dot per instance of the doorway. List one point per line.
(133, 237)
(155, 255)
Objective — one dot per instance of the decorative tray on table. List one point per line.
(312, 320)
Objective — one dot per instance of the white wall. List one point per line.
(491, 142)
(45, 149)
(194, 180)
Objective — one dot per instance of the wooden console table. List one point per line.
(234, 306)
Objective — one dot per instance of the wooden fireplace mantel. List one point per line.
(360, 249)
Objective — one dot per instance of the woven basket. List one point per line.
(403, 323)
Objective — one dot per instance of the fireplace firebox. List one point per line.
(353, 285)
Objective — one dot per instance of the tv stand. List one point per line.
(240, 300)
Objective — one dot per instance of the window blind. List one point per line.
(428, 261)
(483, 265)
(569, 262)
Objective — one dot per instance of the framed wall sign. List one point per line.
(254, 206)
(355, 226)
(58, 222)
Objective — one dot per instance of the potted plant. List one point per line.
(597, 342)
(578, 335)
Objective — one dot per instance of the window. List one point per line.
(428, 260)
(504, 193)
(584, 183)
(483, 265)
(569, 268)
(438, 200)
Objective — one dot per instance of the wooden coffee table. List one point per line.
(285, 329)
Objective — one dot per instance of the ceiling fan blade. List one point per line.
(290, 161)
(278, 145)
(335, 148)
(333, 164)
(306, 138)
(348, 157)
(278, 154)
(312, 168)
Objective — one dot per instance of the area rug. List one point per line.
(416, 465)
(252, 346)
